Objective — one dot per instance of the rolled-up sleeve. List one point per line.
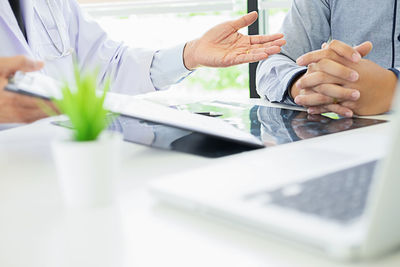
(306, 28)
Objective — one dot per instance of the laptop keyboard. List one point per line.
(339, 196)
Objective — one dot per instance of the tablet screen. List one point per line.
(275, 126)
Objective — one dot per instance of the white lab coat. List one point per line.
(128, 68)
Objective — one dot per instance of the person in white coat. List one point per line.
(58, 32)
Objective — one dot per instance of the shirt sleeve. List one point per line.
(306, 28)
(168, 67)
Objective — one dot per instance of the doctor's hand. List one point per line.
(223, 46)
(339, 80)
(15, 108)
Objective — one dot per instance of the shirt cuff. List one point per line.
(395, 71)
(168, 67)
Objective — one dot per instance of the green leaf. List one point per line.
(83, 106)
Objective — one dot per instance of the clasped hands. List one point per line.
(339, 80)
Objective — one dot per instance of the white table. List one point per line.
(35, 229)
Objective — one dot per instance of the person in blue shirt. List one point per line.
(340, 56)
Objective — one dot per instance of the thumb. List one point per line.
(364, 48)
(245, 21)
(10, 65)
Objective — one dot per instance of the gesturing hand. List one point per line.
(223, 46)
(339, 80)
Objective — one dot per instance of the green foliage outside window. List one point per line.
(236, 77)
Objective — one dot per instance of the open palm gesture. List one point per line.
(224, 46)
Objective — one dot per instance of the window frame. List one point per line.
(261, 27)
(127, 8)
(252, 5)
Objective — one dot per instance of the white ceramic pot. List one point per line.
(87, 170)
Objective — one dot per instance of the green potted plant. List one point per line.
(87, 162)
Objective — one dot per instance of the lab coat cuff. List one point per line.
(168, 67)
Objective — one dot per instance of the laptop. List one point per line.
(345, 207)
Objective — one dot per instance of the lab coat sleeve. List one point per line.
(306, 28)
(168, 67)
(130, 70)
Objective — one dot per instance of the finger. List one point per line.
(307, 91)
(245, 21)
(340, 110)
(268, 50)
(262, 39)
(315, 99)
(337, 92)
(317, 110)
(335, 69)
(349, 104)
(273, 50)
(10, 65)
(324, 45)
(344, 50)
(336, 51)
(279, 42)
(364, 48)
(316, 56)
(258, 51)
(248, 58)
(317, 78)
